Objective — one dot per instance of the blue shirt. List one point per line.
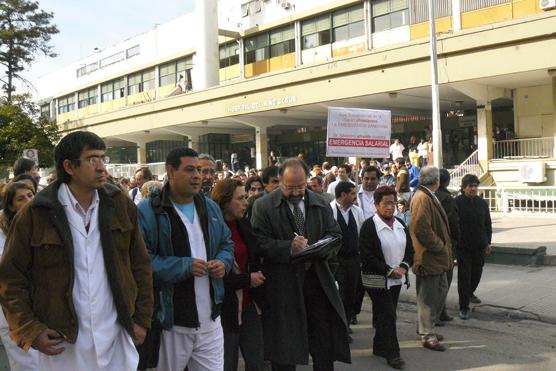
(187, 209)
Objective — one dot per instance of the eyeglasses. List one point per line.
(300, 187)
(95, 160)
(388, 203)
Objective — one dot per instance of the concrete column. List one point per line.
(207, 49)
(456, 15)
(261, 143)
(193, 142)
(554, 109)
(297, 40)
(241, 59)
(484, 133)
(368, 21)
(142, 153)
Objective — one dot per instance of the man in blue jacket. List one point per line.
(191, 250)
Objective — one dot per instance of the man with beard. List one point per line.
(305, 313)
(208, 169)
(75, 277)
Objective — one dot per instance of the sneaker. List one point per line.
(464, 314)
(396, 363)
(353, 320)
(475, 300)
(445, 317)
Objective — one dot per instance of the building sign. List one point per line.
(267, 103)
(356, 132)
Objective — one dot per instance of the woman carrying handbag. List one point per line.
(386, 255)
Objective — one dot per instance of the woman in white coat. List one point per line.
(16, 195)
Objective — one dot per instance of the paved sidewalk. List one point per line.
(524, 231)
(513, 291)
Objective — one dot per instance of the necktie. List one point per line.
(299, 220)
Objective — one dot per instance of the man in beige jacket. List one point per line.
(430, 235)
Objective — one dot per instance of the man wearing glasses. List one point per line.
(208, 170)
(75, 278)
(305, 313)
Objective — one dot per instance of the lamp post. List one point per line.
(436, 129)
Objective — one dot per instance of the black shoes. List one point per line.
(353, 320)
(464, 314)
(475, 300)
(444, 317)
(396, 363)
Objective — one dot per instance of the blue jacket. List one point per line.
(169, 269)
(413, 176)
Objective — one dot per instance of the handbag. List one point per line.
(373, 281)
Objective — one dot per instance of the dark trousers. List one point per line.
(359, 296)
(319, 312)
(449, 276)
(385, 303)
(249, 339)
(348, 276)
(470, 270)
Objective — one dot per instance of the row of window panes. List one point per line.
(66, 104)
(270, 44)
(130, 52)
(388, 14)
(229, 54)
(140, 82)
(111, 90)
(337, 26)
(87, 97)
(171, 73)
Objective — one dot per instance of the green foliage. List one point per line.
(21, 127)
(25, 32)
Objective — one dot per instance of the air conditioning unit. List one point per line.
(547, 4)
(286, 5)
(532, 172)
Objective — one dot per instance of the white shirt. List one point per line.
(138, 196)
(366, 202)
(392, 241)
(355, 210)
(332, 186)
(396, 150)
(101, 342)
(422, 149)
(201, 284)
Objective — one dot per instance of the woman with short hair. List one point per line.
(386, 250)
(241, 309)
(16, 196)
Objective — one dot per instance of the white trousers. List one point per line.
(198, 351)
(19, 359)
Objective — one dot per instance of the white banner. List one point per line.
(358, 132)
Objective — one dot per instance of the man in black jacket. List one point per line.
(474, 241)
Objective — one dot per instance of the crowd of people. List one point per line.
(191, 270)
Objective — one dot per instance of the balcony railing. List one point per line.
(524, 148)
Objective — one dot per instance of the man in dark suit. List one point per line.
(305, 313)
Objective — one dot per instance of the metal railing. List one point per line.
(520, 200)
(524, 148)
(471, 165)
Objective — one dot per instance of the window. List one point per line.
(87, 97)
(167, 74)
(348, 23)
(115, 58)
(45, 110)
(132, 52)
(85, 70)
(388, 14)
(282, 41)
(171, 73)
(112, 90)
(229, 54)
(256, 48)
(140, 82)
(66, 104)
(315, 32)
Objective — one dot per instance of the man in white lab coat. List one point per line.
(76, 278)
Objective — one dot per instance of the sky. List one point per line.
(88, 24)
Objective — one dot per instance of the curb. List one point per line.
(499, 311)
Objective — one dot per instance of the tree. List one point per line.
(25, 32)
(21, 127)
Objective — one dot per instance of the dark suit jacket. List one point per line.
(285, 325)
